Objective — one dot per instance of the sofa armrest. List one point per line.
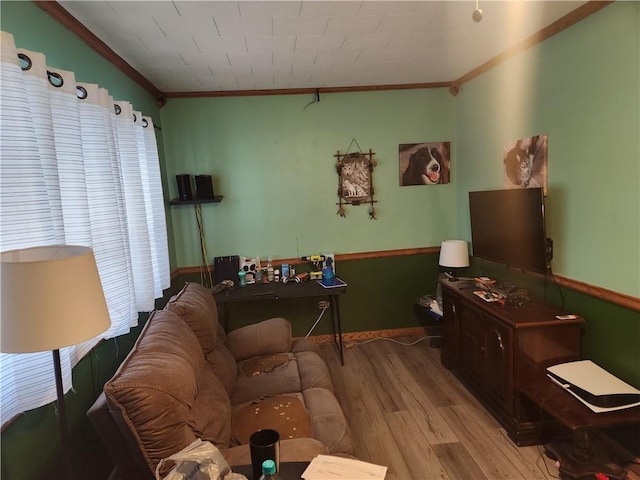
(130, 465)
(263, 338)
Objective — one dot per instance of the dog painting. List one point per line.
(525, 163)
(424, 163)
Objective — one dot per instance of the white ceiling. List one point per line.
(197, 46)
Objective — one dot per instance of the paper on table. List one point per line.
(327, 467)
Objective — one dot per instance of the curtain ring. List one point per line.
(25, 62)
(55, 79)
(117, 109)
(145, 123)
(81, 92)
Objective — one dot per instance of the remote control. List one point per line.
(566, 317)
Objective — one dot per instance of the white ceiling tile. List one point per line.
(294, 57)
(359, 42)
(341, 57)
(393, 7)
(205, 58)
(327, 78)
(397, 24)
(190, 71)
(224, 79)
(271, 70)
(270, 9)
(250, 58)
(134, 8)
(255, 26)
(217, 44)
(375, 57)
(119, 26)
(319, 43)
(270, 44)
(415, 40)
(359, 25)
(232, 70)
(162, 44)
(160, 59)
(330, 9)
(308, 69)
(196, 26)
(299, 25)
(293, 44)
(207, 8)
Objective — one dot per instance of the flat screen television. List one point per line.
(508, 227)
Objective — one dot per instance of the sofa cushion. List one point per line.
(197, 307)
(264, 338)
(322, 413)
(285, 414)
(223, 366)
(266, 375)
(328, 420)
(165, 394)
(313, 371)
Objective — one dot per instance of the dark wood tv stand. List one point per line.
(583, 455)
(492, 349)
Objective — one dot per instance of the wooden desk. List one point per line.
(276, 291)
(580, 457)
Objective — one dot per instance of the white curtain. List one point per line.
(76, 168)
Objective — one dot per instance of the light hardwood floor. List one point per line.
(411, 414)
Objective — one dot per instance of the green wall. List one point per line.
(273, 160)
(582, 87)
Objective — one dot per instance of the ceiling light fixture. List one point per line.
(477, 13)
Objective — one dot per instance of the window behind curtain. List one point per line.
(77, 168)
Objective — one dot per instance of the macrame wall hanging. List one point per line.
(355, 179)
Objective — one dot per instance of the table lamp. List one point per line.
(453, 254)
(51, 298)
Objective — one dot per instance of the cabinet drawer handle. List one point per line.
(499, 337)
(453, 308)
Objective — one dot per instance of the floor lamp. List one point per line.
(51, 298)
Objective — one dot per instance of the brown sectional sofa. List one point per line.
(186, 378)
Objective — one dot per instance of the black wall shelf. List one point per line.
(215, 199)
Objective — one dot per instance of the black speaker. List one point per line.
(184, 187)
(204, 187)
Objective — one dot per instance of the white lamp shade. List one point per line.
(51, 298)
(454, 254)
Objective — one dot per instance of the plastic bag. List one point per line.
(199, 461)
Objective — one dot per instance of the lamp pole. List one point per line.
(62, 414)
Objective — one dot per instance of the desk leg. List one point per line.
(584, 456)
(334, 302)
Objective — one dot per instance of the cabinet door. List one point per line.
(471, 347)
(497, 364)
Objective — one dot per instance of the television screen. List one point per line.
(507, 226)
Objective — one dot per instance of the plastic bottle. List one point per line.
(269, 471)
(269, 269)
